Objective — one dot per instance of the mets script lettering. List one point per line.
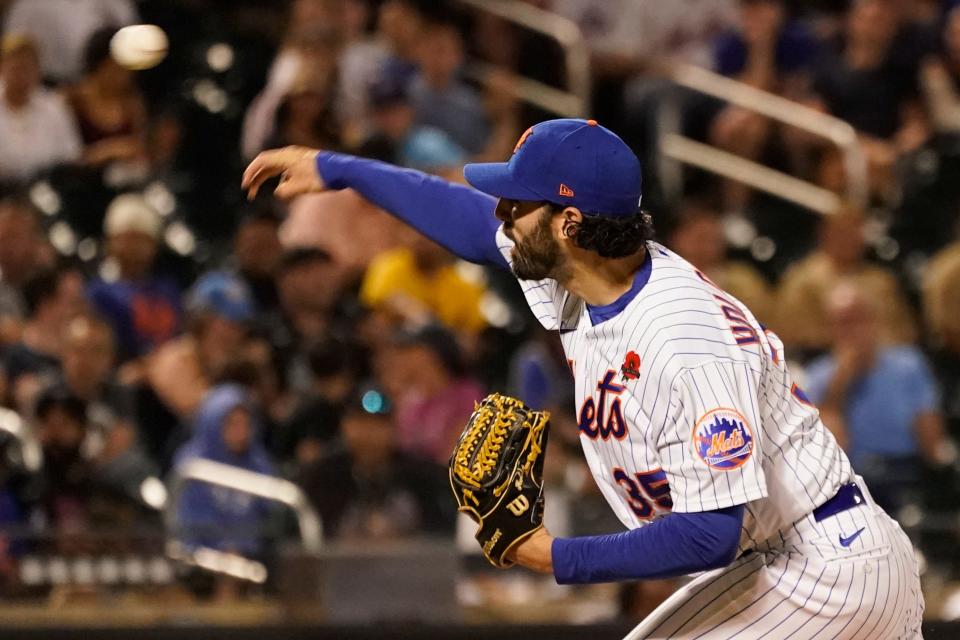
(599, 421)
(724, 442)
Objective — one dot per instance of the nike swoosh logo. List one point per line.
(846, 542)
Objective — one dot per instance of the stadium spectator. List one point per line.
(163, 145)
(370, 490)
(769, 51)
(420, 283)
(864, 83)
(304, 72)
(440, 98)
(256, 255)
(219, 311)
(940, 76)
(327, 38)
(391, 52)
(425, 373)
(306, 115)
(941, 303)
(939, 288)
(364, 55)
(309, 285)
(88, 364)
(74, 502)
(36, 127)
(881, 402)
(52, 297)
(396, 138)
(922, 12)
(872, 84)
(142, 307)
(257, 367)
(226, 430)
(400, 24)
(840, 252)
(318, 300)
(108, 107)
(63, 28)
(636, 36)
(87, 372)
(633, 44)
(64, 505)
(21, 254)
(314, 424)
(12, 511)
(698, 237)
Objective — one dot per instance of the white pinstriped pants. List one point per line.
(807, 586)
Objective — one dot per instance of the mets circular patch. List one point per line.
(722, 438)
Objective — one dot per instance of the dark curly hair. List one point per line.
(614, 237)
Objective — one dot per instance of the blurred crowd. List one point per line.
(149, 316)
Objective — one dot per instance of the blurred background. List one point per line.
(228, 416)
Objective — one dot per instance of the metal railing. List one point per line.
(252, 483)
(754, 174)
(574, 102)
(676, 147)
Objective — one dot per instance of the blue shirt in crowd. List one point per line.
(143, 314)
(427, 148)
(883, 405)
(457, 111)
(796, 50)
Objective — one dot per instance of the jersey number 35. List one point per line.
(645, 489)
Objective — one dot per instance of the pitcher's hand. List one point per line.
(297, 167)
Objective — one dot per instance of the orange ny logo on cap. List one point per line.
(566, 191)
(523, 138)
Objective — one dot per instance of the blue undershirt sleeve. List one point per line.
(675, 545)
(459, 218)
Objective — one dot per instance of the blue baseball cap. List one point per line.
(223, 294)
(570, 163)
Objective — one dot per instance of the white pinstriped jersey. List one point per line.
(685, 403)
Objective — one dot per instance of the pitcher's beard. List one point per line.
(538, 256)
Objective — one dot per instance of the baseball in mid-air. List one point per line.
(139, 46)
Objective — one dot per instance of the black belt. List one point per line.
(847, 497)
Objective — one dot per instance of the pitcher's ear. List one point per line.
(572, 217)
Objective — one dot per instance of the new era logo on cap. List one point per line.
(552, 155)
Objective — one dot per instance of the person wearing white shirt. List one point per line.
(628, 36)
(61, 29)
(37, 130)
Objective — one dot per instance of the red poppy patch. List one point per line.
(630, 369)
